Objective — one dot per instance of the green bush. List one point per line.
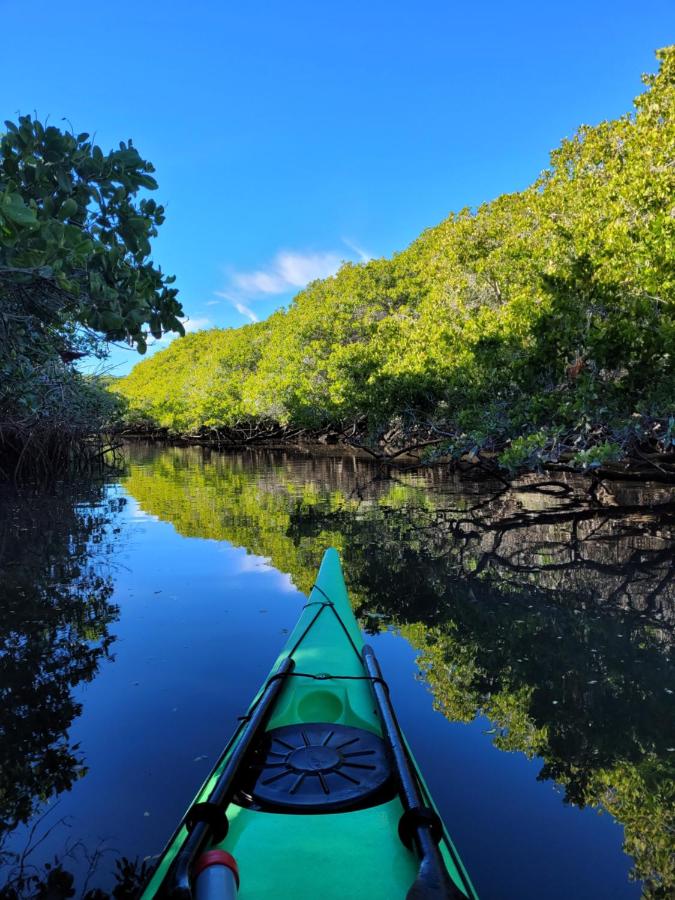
(548, 309)
(75, 273)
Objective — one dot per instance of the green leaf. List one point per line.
(64, 182)
(13, 208)
(147, 181)
(68, 208)
(111, 321)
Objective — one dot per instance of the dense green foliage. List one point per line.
(75, 273)
(542, 312)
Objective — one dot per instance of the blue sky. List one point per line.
(289, 136)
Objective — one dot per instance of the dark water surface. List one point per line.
(527, 634)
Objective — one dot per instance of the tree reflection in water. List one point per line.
(55, 614)
(547, 605)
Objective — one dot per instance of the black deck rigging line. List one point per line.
(306, 631)
(317, 587)
(328, 676)
(322, 604)
(320, 676)
(328, 602)
(201, 822)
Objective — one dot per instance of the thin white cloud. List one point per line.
(286, 272)
(241, 307)
(244, 310)
(362, 254)
(212, 302)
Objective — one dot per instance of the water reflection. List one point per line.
(548, 608)
(55, 614)
(544, 607)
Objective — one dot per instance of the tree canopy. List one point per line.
(544, 310)
(75, 270)
(71, 227)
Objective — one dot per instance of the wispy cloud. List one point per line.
(212, 302)
(236, 300)
(246, 311)
(362, 254)
(289, 271)
(286, 272)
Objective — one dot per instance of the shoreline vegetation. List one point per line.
(75, 275)
(392, 454)
(535, 331)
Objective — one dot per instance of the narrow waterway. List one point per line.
(526, 632)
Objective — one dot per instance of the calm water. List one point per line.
(527, 636)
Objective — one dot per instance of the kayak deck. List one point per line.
(302, 854)
(339, 855)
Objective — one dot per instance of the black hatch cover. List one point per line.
(317, 767)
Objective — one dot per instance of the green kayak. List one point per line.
(317, 794)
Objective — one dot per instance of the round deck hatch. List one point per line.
(317, 767)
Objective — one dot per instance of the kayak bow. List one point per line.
(317, 793)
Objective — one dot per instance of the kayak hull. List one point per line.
(301, 854)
